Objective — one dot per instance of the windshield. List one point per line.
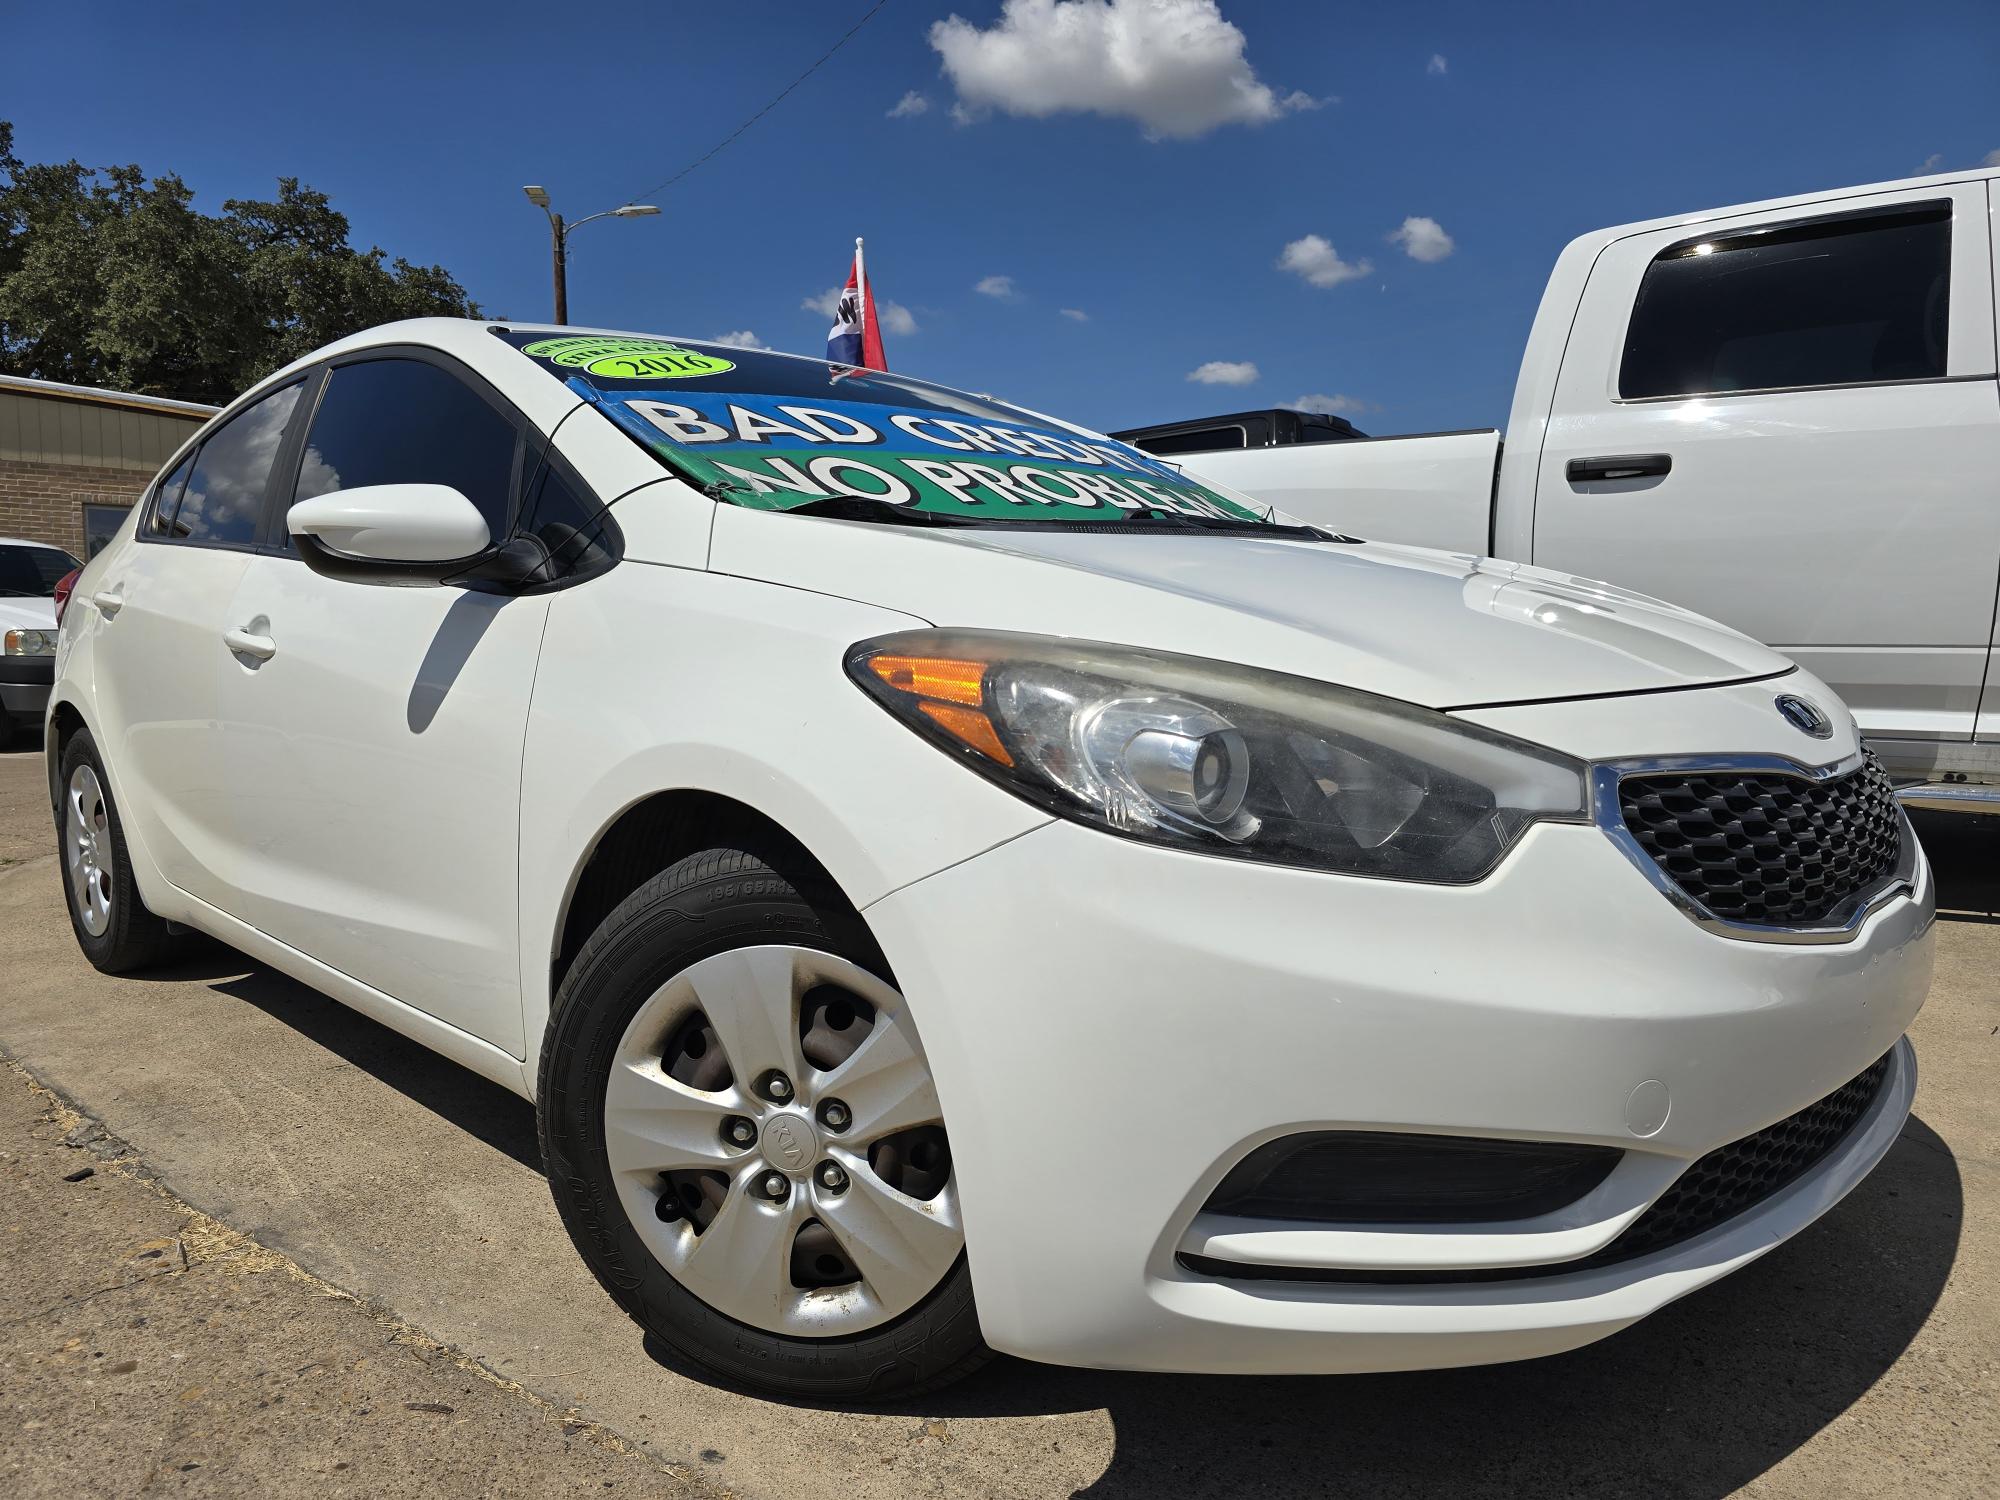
(777, 432)
(32, 572)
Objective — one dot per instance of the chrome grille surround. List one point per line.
(1838, 925)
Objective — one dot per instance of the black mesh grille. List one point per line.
(1730, 1180)
(1767, 849)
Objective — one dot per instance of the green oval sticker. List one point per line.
(628, 359)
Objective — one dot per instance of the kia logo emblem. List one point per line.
(789, 1146)
(1805, 716)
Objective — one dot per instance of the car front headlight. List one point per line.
(1220, 759)
(29, 643)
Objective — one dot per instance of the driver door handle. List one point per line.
(108, 604)
(243, 643)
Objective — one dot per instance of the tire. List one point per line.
(96, 870)
(729, 912)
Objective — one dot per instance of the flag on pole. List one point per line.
(856, 337)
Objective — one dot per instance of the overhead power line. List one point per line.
(712, 151)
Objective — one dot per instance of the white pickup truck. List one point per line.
(1783, 415)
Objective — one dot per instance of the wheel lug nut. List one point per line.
(831, 1177)
(835, 1116)
(738, 1131)
(774, 1186)
(775, 1086)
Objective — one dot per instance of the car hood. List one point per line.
(27, 614)
(1443, 629)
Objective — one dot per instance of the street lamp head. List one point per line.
(634, 211)
(539, 196)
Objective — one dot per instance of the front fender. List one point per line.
(663, 679)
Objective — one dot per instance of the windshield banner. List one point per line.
(775, 452)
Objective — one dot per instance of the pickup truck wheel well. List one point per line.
(655, 834)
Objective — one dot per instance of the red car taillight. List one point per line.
(65, 586)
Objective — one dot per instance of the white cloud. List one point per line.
(1173, 66)
(1319, 263)
(1423, 239)
(1932, 163)
(1224, 372)
(742, 338)
(1075, 314)
(896, 318)
(996, 286)
(1300, 99)
(910, 105)
(1332, 406)
(1437, 67)
(1990, 159)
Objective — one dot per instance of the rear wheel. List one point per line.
(112, 926)
(744, 1140)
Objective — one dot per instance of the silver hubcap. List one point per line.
(87, 851)
(812, 1220)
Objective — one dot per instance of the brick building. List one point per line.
(74, 458)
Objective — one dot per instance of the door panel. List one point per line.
(374, 763)
(159, 654)
(157, 660)
(1855, 527)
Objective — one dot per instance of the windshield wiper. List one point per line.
(1226, 525)
(868, 508)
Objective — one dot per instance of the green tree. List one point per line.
(110, 278)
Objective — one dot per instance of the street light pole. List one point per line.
(561, 249)
(560, 231)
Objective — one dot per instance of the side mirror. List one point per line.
(390, 533)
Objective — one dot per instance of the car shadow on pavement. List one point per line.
(482, 1109)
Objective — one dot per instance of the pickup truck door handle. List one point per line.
(1620, 466)
(108, 604)
(243, 643)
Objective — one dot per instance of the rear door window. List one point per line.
(1854, 300)
(222, 502)
(406, 421)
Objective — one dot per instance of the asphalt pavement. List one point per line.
(321, 1191)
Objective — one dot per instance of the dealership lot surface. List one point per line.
(337, 1158)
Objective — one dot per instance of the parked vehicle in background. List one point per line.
(909, 848)
(1782, 415)
(1273, 427)
(29, 574)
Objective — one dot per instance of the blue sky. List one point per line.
(1510, 127)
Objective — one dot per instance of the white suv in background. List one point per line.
(949, 882)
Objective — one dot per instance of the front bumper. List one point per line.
(1113, 1026)
(25, 682)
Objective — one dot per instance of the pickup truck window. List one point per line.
(1852, 300)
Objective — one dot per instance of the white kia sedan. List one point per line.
(952, 882)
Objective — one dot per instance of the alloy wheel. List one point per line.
(776, 1140)
(87, 850)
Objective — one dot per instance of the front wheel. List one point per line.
(743, 1139)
